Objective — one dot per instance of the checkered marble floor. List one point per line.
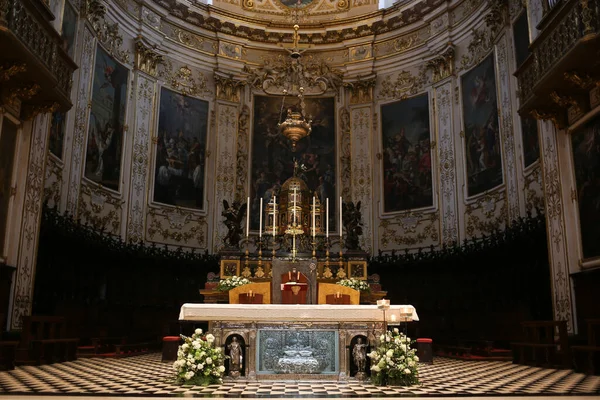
(147, 376)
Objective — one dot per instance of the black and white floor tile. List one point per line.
(147, 376)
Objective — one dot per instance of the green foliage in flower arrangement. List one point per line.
(225, 285)
(356, 284)
(393, 362)
(198, 361)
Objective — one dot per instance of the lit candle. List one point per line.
(314, 217)
(340, 216)
(248, 217)
(274, 213)
(260, 219)
(250, 293)
(327, 219)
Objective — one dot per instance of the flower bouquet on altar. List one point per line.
(393, 362)
(198, 361)
(356, 284)
(225, 285)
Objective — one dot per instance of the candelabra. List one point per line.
(327, 251)
(259, 252)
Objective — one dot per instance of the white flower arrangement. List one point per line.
(198, 361)
(227, 284)
(354, 283)
(393, 362)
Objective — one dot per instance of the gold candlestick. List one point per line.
(259, 252)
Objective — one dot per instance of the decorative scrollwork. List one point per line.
(404, 86)
(102, 211)
(182, 79)
(8, 70)
(442, 66)
(178, 220)
(361, 90)
(228, 88)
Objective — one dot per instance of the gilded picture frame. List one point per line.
(229, 268)
(357, 269)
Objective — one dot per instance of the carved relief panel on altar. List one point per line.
(179, 172)
(406, 145)
(480, 124)
(107, 121)
(586, 153)
(273, 156)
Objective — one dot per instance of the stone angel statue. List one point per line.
(234, 215)
(352, 223)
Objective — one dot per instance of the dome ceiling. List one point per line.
(322, 21)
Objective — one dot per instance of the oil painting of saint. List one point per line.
(406, 139)
(480, 117)
(273, 158)
(69, 28)
(531, 144)
(107, 121)
(586, 157)
(179, 172)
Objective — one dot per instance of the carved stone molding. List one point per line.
(442, 66)
(228, 88)
(361, 90)
(93, 10)
(147, 58)
(482, 41)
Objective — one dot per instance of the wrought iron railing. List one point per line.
(556, 40)
(40, 39)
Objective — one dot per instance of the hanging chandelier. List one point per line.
(295, 127)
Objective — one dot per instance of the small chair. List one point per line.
(169, 348)
(425, 350)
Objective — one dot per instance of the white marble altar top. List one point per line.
(295, 313)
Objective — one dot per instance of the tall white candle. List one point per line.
(327, 218)
(274, 213)
(314, 216)
(248, 217)
(260, 219)
(294, 205)
(340, 216)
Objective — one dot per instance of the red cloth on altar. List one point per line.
(294, 287)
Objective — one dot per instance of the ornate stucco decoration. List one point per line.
(361, 90)
(405, 85)
(410, 229)
(100, 208)
(182, 79)
(582, 79)
(483, 39)
(534, 191)
(147, 57)
(243, 137)
(486, 215)
(52, 181)
(10, 69)
(556, 116)
(442, 66)
(93, 10)
(273, 76)
(314, 7)
(176, 226)
(228, 88)
(109, 35)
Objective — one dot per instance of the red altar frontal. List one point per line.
(294, 287)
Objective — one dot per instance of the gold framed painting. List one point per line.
(357, 269)
(230, 268)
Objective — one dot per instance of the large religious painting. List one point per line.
(107, 121)
(273, 158)
(407, 181)
(69, 27)
(181, 149)
(586, 157)
(531, 143)
(57, 133)
(521, 38)
(480, 117)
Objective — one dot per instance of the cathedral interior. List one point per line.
(443, 151)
